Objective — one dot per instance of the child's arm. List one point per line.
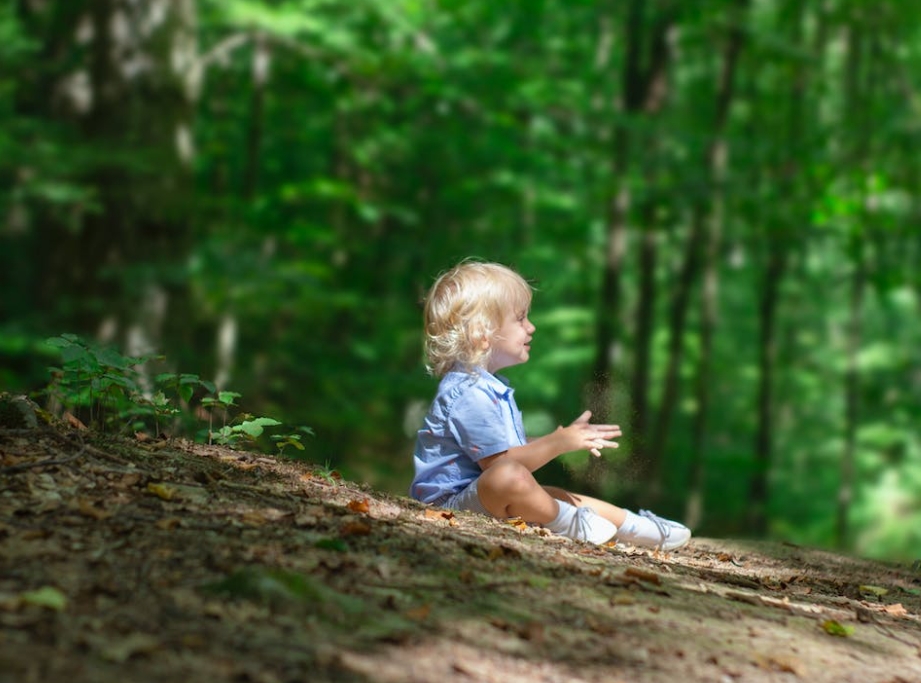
(580, 435)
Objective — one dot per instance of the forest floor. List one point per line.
(171, 561)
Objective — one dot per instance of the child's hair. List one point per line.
(464, 307)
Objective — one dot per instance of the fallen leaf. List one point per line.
(162, 491)
(643, 575)
(357, 527)
(497, 551)
(875, 591)
(835, 628)
(780, 663)
(47, 597)
(74, 421)
(518, 523)
(896, 610)
(439, 514)
(136, 644)
(168, 523)
(360, 506)
(420, 613)
(88, 508)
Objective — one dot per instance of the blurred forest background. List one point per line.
(716, 200)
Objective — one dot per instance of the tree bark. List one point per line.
(717, 161)
(647, 56)
(133, 106)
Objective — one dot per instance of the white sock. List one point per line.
(562, 523)
(581, 524)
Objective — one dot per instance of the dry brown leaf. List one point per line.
(518, 523)
(643, 575)
(128, 481)
(74, 421)
(357, 527)
(88, 508)
(781, 663)
(896, 610)
(440, 514)
(361, 506)
(420, 613)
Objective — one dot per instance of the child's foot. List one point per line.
(651, 531)
(582, 524)
(588, 525)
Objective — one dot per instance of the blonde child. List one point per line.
(472, 453)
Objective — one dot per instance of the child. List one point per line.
(471, 452)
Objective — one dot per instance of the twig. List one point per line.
(47, 462)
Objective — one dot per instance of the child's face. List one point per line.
(511, 343)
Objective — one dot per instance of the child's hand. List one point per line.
(581, 435)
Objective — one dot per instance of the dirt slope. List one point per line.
(169, 561)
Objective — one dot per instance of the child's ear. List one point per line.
(484, 343)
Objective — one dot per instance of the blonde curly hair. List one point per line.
(463, 309)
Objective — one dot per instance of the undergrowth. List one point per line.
(116, 393)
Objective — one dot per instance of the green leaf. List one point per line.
(875, 591)
(835, 628)
(46, 596)
(255, 427)
(227, 397)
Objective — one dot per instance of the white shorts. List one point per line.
(468, 499)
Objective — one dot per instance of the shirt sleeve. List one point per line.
(478, 424)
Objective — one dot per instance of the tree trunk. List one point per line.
(781, 245)
(123, 79)
(717, 160)
(767, 355)
(644, 80)
(858, 83)
(851, 393)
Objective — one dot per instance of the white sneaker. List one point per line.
(588, 525)
(672, 535)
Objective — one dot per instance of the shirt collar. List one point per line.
(498, 384)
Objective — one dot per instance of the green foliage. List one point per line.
(116, 392)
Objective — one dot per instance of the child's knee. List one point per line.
(509, 479)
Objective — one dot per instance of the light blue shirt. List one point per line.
(473, 416)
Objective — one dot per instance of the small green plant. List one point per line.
(328, 473)
(250, 428)
(97, 379)
(223, 401)
(282, 441)
(113, 391)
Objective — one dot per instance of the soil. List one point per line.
(151, 560)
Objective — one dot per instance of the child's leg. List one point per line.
(612, 513)
(644, 529)
(508, 489)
